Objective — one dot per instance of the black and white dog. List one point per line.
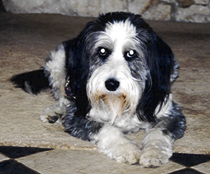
(115, 78)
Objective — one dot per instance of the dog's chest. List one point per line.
(127, 122)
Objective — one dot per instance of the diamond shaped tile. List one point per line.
(16, 152)
(189, 159)
(13, 167)
(186, 171)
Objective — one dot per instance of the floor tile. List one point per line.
(13, 167)
(16, 152)
(186, 171)
(189, 159)
(204, 167)
(33, 160)
(80, 162)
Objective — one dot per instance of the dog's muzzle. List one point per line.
(113, 92)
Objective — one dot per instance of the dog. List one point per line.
(113, 79)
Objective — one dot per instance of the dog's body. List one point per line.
(115, 78)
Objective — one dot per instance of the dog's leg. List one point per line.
(112, 142)
(157, 148)
(158, 142)
(56, 72)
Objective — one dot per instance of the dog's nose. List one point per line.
(112, 84)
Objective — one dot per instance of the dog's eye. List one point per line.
(130, 55)
(103, 52)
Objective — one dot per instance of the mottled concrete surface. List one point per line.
(25, 41)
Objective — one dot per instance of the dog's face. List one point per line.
(127, 66)
(118, 69)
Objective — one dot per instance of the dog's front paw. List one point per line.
(154, 157)
(112, 142)
(126, 153)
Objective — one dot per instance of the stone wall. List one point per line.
(174, 10)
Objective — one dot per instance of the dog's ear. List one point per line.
(77, 67)
(161, 63)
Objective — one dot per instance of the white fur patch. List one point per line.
(56, 67)
(57, 78)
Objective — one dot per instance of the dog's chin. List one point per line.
(117, 104)
(114, 105)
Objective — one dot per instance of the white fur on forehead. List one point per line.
(122, 32)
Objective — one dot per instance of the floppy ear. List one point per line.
(77, 67)
(78, 53)
(161, 62)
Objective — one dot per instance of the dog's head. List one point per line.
(119, 64)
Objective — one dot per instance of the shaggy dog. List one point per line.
(113, 79)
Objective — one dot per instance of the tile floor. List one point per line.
(29, 160)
